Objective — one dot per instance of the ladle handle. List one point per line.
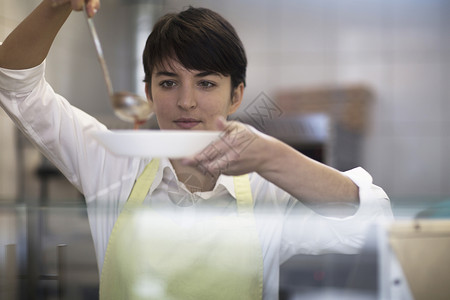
(100, 56)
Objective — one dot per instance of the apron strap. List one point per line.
(244, 199)
(143, 183)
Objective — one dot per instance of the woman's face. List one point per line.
(191, 99)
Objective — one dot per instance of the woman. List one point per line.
(253, 185)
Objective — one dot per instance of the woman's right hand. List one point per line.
(91, 5)
(29, 43)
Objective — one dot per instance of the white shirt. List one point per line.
(285, 226)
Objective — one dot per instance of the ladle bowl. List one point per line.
(127, 106)
(131, 107)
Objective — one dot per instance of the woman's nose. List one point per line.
(186, 98)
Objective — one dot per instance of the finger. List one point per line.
(199, 157)
(222, 164)
(92, 7)
(221, 123)
(211, 152)
(188, 161)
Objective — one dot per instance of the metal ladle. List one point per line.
(127, 106)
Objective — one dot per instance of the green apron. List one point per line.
(149, 256)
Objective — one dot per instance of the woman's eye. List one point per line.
(167, 84)
(206, 84)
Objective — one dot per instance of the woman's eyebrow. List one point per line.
(207, 73)
(200, 74)
(165, 73)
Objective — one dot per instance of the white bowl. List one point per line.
(156, 143)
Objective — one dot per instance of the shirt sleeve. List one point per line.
(20, 81)
(306, 232)
(60, 131)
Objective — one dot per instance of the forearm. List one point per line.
(29, 43)
(307, 180)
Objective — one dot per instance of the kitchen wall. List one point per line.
(399, 48)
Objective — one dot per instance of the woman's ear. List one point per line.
(148, 92)
(236, 98)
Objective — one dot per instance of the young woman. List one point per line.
(260, 193)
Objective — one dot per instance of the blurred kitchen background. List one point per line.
(349, 82)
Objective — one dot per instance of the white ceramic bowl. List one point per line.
(156, 143)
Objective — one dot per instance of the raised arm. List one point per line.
(242, 149)
(29, 43)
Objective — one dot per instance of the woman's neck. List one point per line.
(193, 178)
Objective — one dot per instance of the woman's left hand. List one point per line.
(240, 149)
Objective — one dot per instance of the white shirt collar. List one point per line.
(166, 170)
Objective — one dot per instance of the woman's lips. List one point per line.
(186, 123)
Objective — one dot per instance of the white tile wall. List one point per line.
(445, 175)
(379, 160)
(400, 49)
(360, 29)
(307, 26)
(417, 26)
(417, 91)
(418, 166)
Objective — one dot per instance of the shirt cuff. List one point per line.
(372, 198)
(360, 177)
(21, 81)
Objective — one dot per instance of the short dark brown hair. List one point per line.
(199, 39)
